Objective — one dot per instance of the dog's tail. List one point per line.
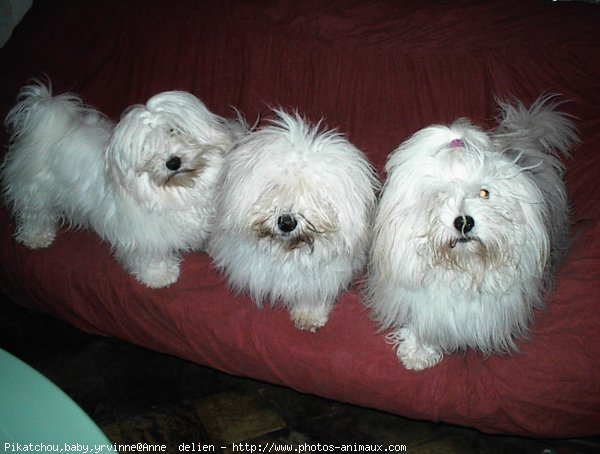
(39, 118)
(540, 126)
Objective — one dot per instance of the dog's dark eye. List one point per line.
(173, 163)
(484, 193)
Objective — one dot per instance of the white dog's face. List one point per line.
(299, 191)
(460, 211)
(289, 216)
(175, 158)
(161, 149)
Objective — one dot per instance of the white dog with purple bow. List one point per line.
(470, 227)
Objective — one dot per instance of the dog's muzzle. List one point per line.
(174, 163)
(286, 223)
(464, 224)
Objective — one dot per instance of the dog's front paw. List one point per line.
(161, 274)
(419, 358)
(37, 240)
(415, 355)
(309, 319)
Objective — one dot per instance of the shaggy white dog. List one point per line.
(293, 221)
(469, 229)
(145, 185)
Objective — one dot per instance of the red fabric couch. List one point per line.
(378, 71)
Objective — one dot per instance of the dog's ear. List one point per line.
(125, 155)
(394, 248)
(127, 142)
(190, 116)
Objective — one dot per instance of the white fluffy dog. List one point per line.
(468, 231)
(145, 185)
(294, 217)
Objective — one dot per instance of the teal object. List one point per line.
(35, 413)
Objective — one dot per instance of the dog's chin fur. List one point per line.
(325, 187)
(440, 287)
(67, 163)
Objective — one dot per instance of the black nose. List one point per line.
(286, 223)
(464, 224)
(174, 163)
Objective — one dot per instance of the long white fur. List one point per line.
(439, 289)
(68, 163)
(327, 184)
